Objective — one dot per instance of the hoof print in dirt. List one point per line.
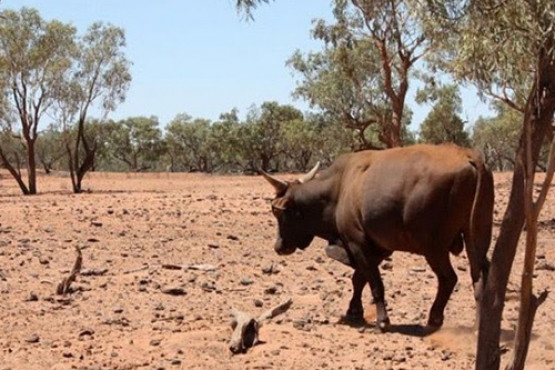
(246, 327)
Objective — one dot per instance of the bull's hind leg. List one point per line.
(447, 279)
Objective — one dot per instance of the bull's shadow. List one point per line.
(412, 330)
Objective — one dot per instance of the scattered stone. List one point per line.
(175, 291)
(33, 338)
(33, 297)
(94, 272)
(418, 269)
(169, 266)
(258, 303)
(233, 237)
(269, 269)
(86, 333)
(202, 267)
(544, 265)
(270, 290)
(387, 266)
(208, 286)
(213, 245)
(155, 342)
(96, 223)
(445, 355)
(246, 281)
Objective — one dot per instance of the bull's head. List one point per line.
(293, 220)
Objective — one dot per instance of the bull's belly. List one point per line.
(398, 241)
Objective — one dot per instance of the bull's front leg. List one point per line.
(337, 251)
(367, 270)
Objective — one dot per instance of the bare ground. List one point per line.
(208, 240)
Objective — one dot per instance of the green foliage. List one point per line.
(443, 123)
(34, 58)
(136, 141)
(188, 144)
(498, 137)
(361, 76)
(48, 149)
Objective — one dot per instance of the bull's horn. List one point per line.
(278, 184)
(310, 175)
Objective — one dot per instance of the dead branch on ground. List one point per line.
(63, 287)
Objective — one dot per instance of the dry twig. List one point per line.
(63, 287)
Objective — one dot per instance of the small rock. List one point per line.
(269, 269)
(418, 269)
(258, 303)
(387, 266)
(233, 237)
(176, 291)
(270, 290)
(155, 342)
(33, 338)
(86, 332)
(169, 266)
(246, 281)
(213, 245)
(33, 297)
(544, 265)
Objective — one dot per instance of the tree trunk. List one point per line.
(31, 167)
(540, 109)
(528, 302)
(15, 174)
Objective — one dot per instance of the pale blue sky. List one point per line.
(202, 58)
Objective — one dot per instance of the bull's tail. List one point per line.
(481, 215)
(478, 238)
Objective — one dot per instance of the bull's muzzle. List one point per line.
(283, 250)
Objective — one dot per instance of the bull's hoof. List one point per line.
(353, 317)
(434, 324)
(384, 325)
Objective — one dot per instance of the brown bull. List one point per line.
(424, 199)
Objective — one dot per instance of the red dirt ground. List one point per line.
(143, 233)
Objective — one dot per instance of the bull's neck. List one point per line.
(318, 198)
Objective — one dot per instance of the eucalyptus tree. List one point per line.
(264, 133)
(385, 33)
(507, 50)
(34, 57)
(99, 78)
(497, 136)
(225, 141)
(188, 144)
(48, 148)
(344, 82)
(137, 142)
(443, 123)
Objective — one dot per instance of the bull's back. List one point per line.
(412, 198)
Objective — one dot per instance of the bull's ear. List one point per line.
(279, 185)
(310, 175)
